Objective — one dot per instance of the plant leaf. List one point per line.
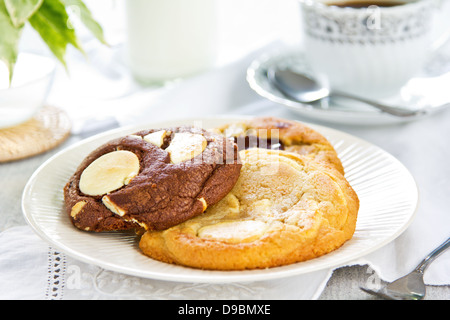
(50, 21)
(21, 10)
(9, 39)
(86, 17)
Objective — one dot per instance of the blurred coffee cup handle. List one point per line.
(440, 41)
(441, 38)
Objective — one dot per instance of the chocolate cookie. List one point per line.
(281, 134)
(152, 179)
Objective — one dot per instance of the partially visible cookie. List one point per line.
(152, 179)
(285, 208)
(281, 134)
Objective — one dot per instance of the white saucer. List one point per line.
(421, 91)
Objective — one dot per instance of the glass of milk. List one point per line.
(170, 39)
(26, 94)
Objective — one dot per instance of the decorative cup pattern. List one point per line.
(367, 26)
(370, 52)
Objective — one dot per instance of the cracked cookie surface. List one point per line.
(284, 208)
(152, 179)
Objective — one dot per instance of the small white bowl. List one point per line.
(31, 83)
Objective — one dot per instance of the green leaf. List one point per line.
(9, 39)
(86, 17)
(50, 21)
(21, 10)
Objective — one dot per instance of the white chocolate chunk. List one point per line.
(109, 172)
(235, 130)
(76, 209)
(143, 225)
(185, 146)
(203, 201)
(134, 136)
(112, 206)
(156, 138)
(263, 209)
(234, 231)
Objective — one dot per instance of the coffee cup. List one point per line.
(369, 48)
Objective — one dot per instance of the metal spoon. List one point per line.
(306, 90)
(411, 286)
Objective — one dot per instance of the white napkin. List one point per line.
(30, 269)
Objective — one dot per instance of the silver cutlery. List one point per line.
(305, 89)
(411, 286)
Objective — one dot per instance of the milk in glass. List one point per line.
(170, 39)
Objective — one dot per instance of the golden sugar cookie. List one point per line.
(284, 208)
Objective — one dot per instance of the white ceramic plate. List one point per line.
(387, 192)
(425, 90)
